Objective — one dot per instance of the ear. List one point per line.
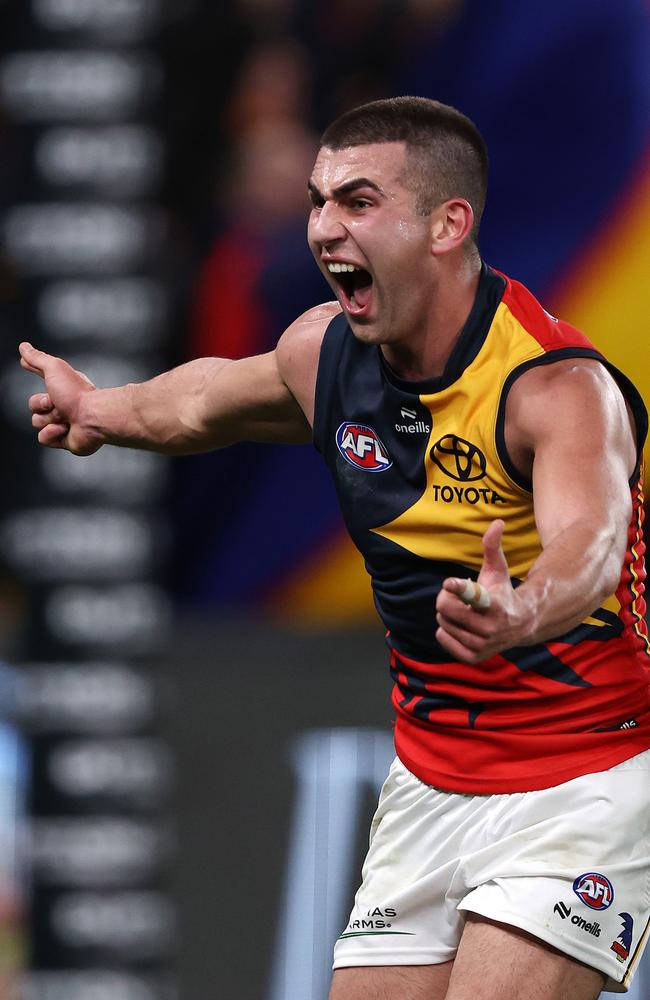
(451, 224)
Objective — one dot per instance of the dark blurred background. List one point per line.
(194, 715)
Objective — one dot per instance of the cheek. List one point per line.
(406, 244)
(314, 247)
(406, 267)
(413, 232)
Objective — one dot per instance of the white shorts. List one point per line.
(569, 864)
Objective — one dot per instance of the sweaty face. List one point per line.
(369, 241)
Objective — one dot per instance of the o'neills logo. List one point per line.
(419, 427)
(361, 447)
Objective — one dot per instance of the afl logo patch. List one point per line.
(594, 890)
(360, 446)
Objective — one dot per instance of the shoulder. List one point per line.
(549, 331)
(298, 351)
(585, 383)
(309, 328)
(572, 398)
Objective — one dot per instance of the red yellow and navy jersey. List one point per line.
(421, 470)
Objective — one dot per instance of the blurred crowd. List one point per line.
(279, 71)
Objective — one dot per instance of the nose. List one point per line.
(326, 225)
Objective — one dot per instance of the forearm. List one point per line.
(165, 414)
(571, 429)
(573, 575)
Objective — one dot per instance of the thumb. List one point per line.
(495, 566)
(33, 360)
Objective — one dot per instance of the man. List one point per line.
(487, 462)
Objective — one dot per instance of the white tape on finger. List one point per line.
(475, 595)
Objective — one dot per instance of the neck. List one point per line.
(426, 353)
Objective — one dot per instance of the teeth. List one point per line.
(338, 268)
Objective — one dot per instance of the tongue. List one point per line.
(362, 294)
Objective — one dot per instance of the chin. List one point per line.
(366, 334)
(366, 329)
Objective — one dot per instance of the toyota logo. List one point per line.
(459, 458)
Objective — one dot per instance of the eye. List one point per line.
(361, 203)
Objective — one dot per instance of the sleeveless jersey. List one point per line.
(421, 470)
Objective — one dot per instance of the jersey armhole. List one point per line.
(639, 412)
(543, 359)
(328, 361)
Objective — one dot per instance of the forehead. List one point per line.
(381, 162)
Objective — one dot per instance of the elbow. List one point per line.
(609, 586)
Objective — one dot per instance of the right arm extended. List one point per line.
(204, 404)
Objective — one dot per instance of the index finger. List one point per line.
(40, 402)
(470, 592)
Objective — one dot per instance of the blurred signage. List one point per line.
(50, 543)
(138, 768)
(135, 617)
(81, 243)
(97, 851)
(112, 473)
(121, 20)
(78, 85)
(140, 925)
(59, 238)
(123, 159)
(85, 697)
(128, 312)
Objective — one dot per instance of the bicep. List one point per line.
(583, 454)
(249, 400)
(269, 397)
(571, 487)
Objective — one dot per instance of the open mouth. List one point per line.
(355, 284)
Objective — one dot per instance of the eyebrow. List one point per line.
(352, 185)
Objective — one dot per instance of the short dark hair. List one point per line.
(447, 155)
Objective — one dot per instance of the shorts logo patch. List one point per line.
(375, 923)
(374, 920)
(594, 890)
(564, 912)
(361, 447)
(623, 943)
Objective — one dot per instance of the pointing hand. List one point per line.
(56, 412)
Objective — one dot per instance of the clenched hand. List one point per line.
(474, 634)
